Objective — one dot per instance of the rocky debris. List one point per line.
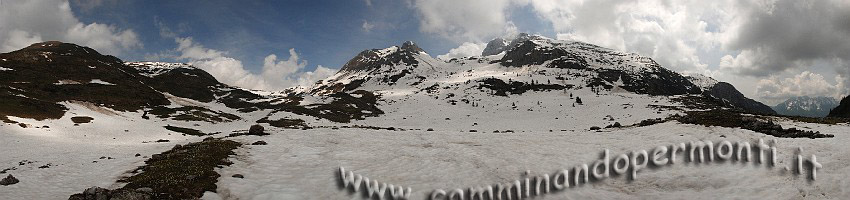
(25, 162)
(259, 143)
(501, 88)
(649, 122)
(615, 125)
(98, 193)
(283, 123)
(185, 171)
(730, 119)
(256, 129)
(594, 128)
(9, 180)
(7, 169)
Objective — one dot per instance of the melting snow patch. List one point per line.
(5, 69)
(387, 51)
(67, 82)
(98, 81)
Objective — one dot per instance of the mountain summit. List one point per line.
(518, 64)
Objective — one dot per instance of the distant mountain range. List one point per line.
(806, 106)
(526, 84)
(39, 81)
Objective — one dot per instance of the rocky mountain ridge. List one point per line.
(806, 106)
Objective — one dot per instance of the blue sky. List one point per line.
(323, 32)
(770, 50)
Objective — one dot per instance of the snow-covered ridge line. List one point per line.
(703, 81)
(73, 82)
(151, 69)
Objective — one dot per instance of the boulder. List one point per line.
(256, 129)
(9, 180)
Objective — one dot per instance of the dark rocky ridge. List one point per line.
(495, 46)
(843, 109)
(37, 78)
(727, 92)
(371, 59)
(32, 88)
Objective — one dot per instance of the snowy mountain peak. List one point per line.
(374, 58)
(409, 46)
(503, 44)
(495, 46)
(806, 106)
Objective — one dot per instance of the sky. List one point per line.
(771, 50)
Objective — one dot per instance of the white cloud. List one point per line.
(774, 89)
(736, 41)
(275, 75)
(17, 39)
(25, 22)
(779, 35)
(290, 72)
(671, 32)
(464, 50)
(367, 27)
(461, 21)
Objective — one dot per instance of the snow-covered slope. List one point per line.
(702, 81)
(533, 80)
(152, 69)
